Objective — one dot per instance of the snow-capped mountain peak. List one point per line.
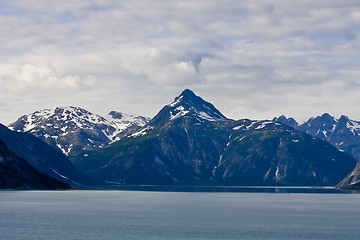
(74, 129)
(78, 116)
(188, 103)
(57, 118)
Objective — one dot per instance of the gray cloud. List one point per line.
(252, 59)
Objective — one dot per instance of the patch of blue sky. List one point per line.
(66, 17)
(5, 9)
(344, 62)
(6, 13)
(354, 60)
(353, 30)
(329, 39)
(230, 39)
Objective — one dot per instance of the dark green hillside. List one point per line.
(16, 173)
(281, 156)
(42, 156)
(180, 153)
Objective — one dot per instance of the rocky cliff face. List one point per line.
(352, 180)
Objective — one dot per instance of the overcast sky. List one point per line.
(251, 59)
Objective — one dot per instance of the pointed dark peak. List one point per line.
(343, 120)
(318, 125)
(287, 121)
(282, 119)
(187, 93)
(116, 115)
(327, 117)
(324, 121)
(188, 102)
(187, 97)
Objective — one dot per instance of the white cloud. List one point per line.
(264, 57)
(29, 79)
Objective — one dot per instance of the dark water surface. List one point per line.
(238, 189)
(177, 215)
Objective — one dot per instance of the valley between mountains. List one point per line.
(189, 142)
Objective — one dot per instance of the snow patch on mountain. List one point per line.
(122, 121)
(176, 102)
(59, 174)
(178, 112)
(263, 124)
(354, 127)
(142, 132)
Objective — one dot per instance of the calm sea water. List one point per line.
(149, 215)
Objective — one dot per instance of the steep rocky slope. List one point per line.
(16, 173)
(42, 157)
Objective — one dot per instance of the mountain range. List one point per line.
(189, 142)
(343, 133)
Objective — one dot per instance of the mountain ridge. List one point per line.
(343, 133)
(189, 142)
(16, 173)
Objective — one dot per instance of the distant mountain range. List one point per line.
(343, 133)
(189, 142)
(74, 130)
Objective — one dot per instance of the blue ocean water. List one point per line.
(36, 215)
